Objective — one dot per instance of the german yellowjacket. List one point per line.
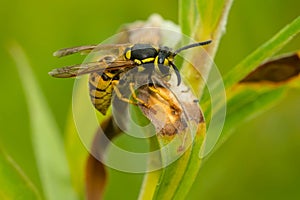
(106, 72)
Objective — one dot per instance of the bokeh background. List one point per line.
(260, 161)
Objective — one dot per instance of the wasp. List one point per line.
(107, 73)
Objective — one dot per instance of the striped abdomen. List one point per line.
(101, 88)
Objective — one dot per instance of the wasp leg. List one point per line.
(140, 101)
(166, 98)
(137, 100)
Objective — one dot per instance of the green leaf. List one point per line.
(48, 146)
(263, 53)
(210, 15)
(188, 16)
(14, 183)
(257, 92)
(193, 165)
(253, 61)
(260, 55)
(210, 24)
(278, 70)
(177, 178)
(247, 101)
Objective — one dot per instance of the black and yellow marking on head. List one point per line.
(162, 57)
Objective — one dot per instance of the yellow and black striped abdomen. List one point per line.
(101, 88)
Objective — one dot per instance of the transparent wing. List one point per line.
(86, 68)
(88, 48)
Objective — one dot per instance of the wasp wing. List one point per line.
(72, 50)
(88, 48)
(87, 68)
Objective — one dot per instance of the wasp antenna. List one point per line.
(177, 73)
(192, 46)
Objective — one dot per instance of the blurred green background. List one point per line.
(261, 160)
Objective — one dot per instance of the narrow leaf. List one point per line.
(260, 90)
(211, 25)
(276, 71)
(255, 59)
(263, 53)
(48, 146)
(210, 15)
(193, 165)
(246, 102)
(188, 16)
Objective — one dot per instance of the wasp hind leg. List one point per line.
(140, 101)
(135, 101)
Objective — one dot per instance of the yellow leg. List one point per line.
(137, 100)
(166, 98)
(140, 101)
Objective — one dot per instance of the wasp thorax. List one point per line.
(141, 53)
